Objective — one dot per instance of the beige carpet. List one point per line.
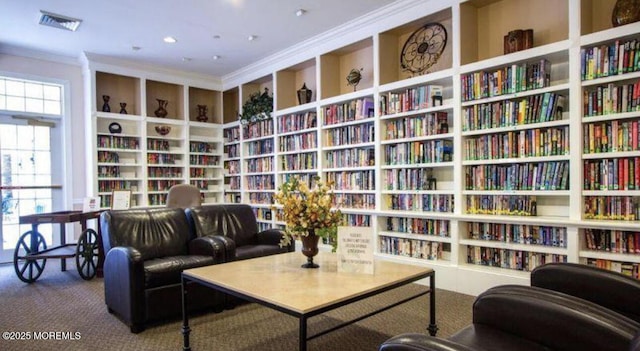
(63, 302)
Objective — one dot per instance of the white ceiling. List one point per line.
(112, 27)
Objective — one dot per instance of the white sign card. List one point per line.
(355, 250)
(90, 204)
(121, 200)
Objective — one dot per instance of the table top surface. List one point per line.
(279, 279)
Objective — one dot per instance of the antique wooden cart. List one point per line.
(31, 253)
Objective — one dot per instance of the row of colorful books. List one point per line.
(299, 161)
(116, 142)
(232, 151)
(420, 249)
(526, 176)
(510, 259)
(533, 109)
(611, 136)
(297, 122)
(350, 111)
(297, 142)
(518, 233)
(506, 80)
(619, 57)
(421, 202)
(612, 174)
(231, 134)
(627, 268)
(353, 180)
(355, 201)
(260, 182)
(164, 172)
(423, 226)
(262, 164)
(418, 152)
(409, 179)
(354, 157)
(618, 208)
(260, 147)
(162, 185)
(198, 146)
(611, 99)
(411, 99)
(111, 185)
(516, 144)
(619, 241)
(417, 126)
(505, 205)
(257, 129)
(351, 134)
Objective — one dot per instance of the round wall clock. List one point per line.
(423, 48)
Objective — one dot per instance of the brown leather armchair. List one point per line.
(235, 225)
(146, 252)
(609, 289)
(524, 318)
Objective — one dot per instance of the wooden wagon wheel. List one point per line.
(87, 254)
(29, 269)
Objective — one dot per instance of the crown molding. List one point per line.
(40, 55)
(151, 71)
(355, 30)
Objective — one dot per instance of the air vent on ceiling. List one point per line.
(59, 21)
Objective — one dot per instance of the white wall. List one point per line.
(71, 74)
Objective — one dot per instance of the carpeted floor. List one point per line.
(63, 302)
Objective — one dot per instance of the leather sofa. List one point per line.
(235, 225)
(146, 252)
(512, 317)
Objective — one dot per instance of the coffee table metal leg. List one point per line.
(433, 327)
(185, 319)
(303, 334)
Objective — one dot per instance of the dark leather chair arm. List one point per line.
(556, 320)
(612, 290)
(273, 237)
(229, 252)
(421, 342)
(124, 282)
(208, 246)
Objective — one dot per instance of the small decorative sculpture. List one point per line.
(304, 94)
(105, 106)
(202, 113)
(162, 108)
(354, 77)
(123, 105)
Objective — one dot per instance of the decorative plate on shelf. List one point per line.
(423, 48)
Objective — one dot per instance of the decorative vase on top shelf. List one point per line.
(202, 113)
(161, 111)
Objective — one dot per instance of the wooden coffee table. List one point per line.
(278, 282)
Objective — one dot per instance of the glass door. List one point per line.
(26, 185)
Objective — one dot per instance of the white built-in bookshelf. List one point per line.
(484, 167)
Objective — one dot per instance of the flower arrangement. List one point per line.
(258, 107)
(308, 209)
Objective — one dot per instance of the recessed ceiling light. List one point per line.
(186, 59)
(216, 57)
(216, 36)
(170, 40)
(135, 48)
(252, 37)
(301, 12)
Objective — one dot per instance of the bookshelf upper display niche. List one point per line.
(392, 43)
(484, 23)
(336, 66)
(230, 105)
(291, 79)
(171, 93)
(205, 97)
(120, 89)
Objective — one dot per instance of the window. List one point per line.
(30, 96)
